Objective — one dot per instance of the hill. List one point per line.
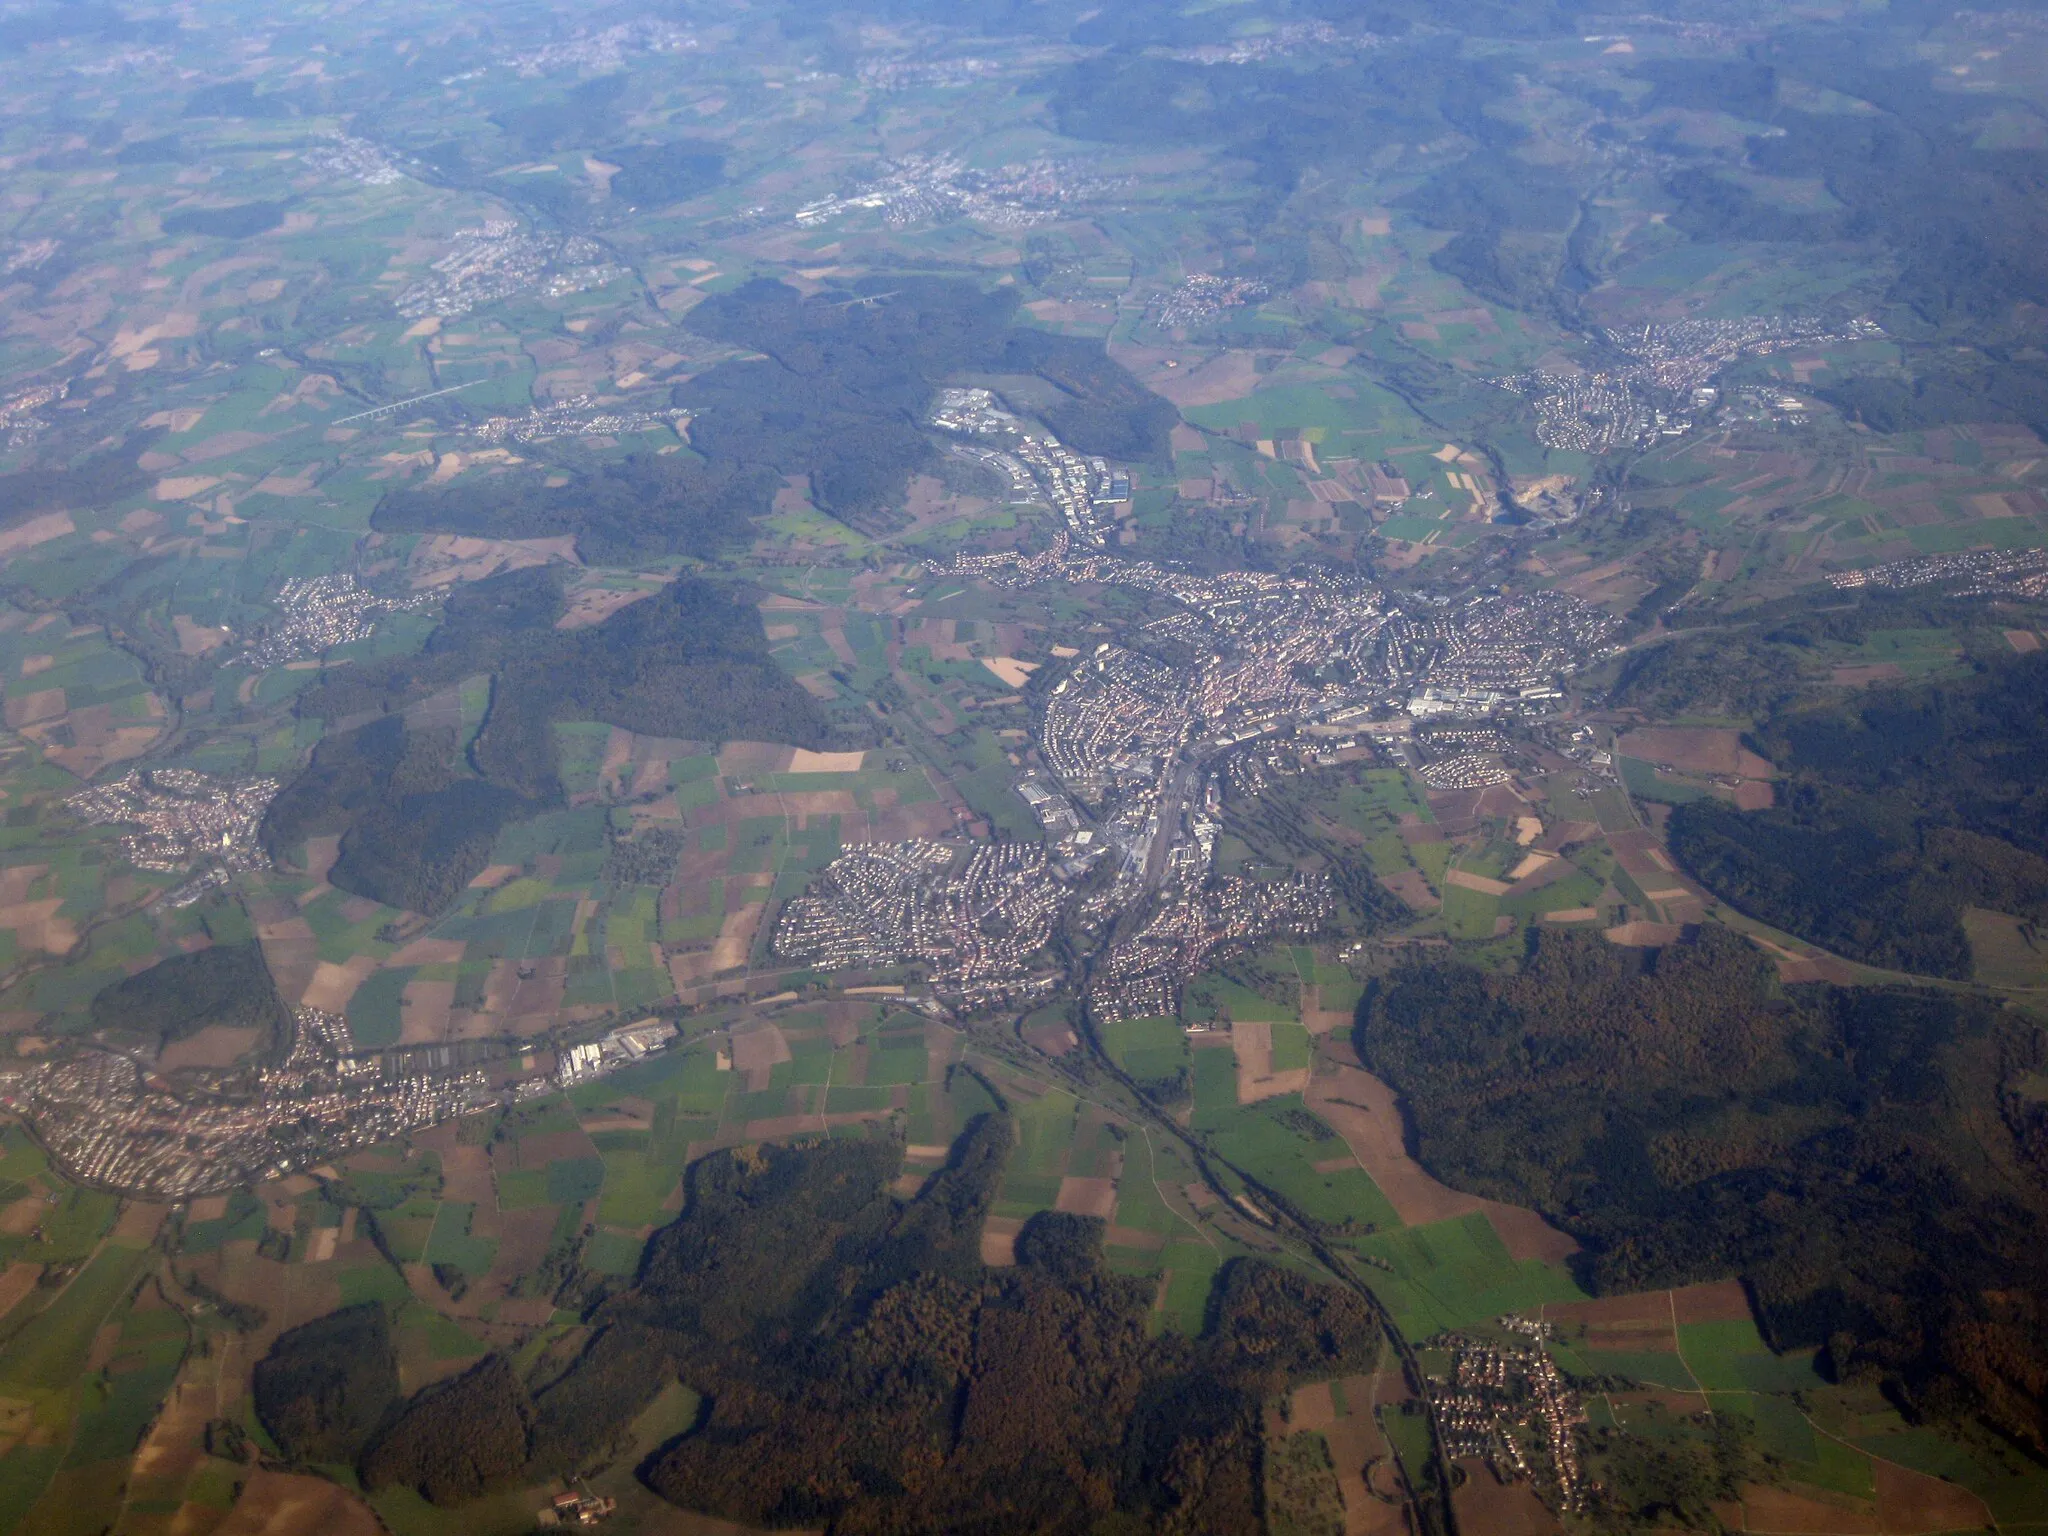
(225, 984)
(866, 1372)
(325, 1385)
(457, 1440)
(1867, 1159)
(1903, 809)
(836, 394)
(418, 814)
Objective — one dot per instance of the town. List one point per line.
(1979, 572)
(1088, 495)
(111, 1125)
(979, 918)
(925, 74)
(1663, 386)
(1282, 42)
(356, 159)
(1252, 675)
(605, 51)
(1137, 740)
(1197, 917)
(185, 816)
(922, 188)
(574, 417)
(18, 420)
(1202, 296)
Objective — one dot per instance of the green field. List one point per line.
(1732, 1357)
(46, 1356)
(449, 1241)
(1456, 1274)
(1149, 1050)
(635, 1188)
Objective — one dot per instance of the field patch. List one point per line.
(1363, 1112)
(1640, 1323)
(1251, 1044)
(2004, 952)
(1696, 749)
(1457, 1274)
(290, 1504)
(802, 760)
(1087, 1197)
(1149, 1049)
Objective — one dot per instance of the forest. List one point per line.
(846, 378)
(690, 661)
(103, 476)
(1902, 809)
(1866, 1159)
(837, 396)
(1757, 660)
(326, 1385)
(651, 175)
(586, 114)
(1101, 409)
(638, 508)
(866, 1373)
(225, 984)
(418, 815)
(414, 829)
(459, 1439)
(1742, 676)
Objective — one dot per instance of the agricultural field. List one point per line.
(1697, 1349)
(494, 1231)
(496, 508)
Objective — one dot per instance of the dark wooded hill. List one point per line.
(837, 396)
(864, 1372)
(1902, 809)
(325, 1386)
(418, 814)
(223, 984)
(1867, 1159)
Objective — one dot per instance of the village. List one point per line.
(113, 1126)
(319, 613)
(498, 259)
(1663, 385)
(1203, 296)
(1504, 1404)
